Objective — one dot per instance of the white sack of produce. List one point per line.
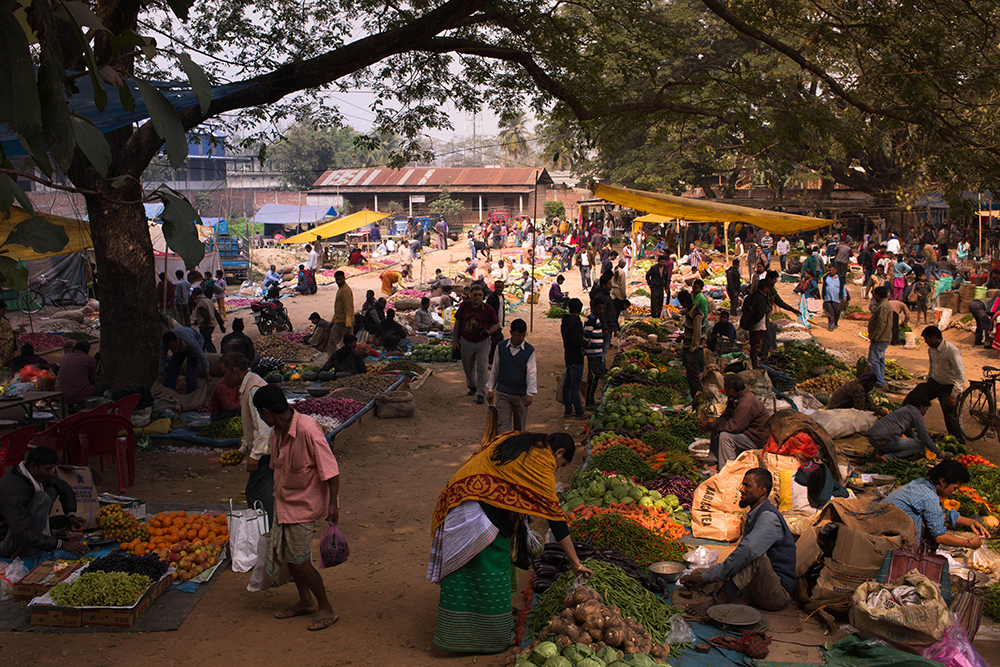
(844, 423)
(920, 624)
(715, 510)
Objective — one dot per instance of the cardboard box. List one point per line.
(862, 550)
(42, 579)
(133, 506)
(43, 612)
(82, 481)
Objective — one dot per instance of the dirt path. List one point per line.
(391, 474)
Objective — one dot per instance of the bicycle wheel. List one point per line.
(30, 301)
(72, 297)
(976, 411)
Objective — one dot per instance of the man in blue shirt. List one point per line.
(887, 435)
(763, 564)
(921, 499)
(831, 297)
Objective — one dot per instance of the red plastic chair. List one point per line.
(123, 407)
(98, 435)
(57, 435)
(102, 409)
(14, 444)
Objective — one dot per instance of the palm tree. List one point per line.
(514, 137)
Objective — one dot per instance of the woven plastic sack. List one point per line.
(333, 548)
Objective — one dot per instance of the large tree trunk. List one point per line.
(130, 326)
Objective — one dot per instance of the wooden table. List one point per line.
(28, 399)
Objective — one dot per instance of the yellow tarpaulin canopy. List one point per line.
(339, 226)
(78, 232)
(707, 211)
(652, 217)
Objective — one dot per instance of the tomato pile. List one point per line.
(974, 460)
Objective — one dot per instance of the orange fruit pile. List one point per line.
(192, 543)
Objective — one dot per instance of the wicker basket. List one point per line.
(726, 346)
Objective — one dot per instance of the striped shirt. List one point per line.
(593, 332)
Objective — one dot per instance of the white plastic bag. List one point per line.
(680, 631)
(10, 574)
(260, 580)
(245, 530)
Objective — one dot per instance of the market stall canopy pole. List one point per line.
(707, 211)
(78, 232)
(337, 227)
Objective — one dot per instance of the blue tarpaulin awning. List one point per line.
(285, 214)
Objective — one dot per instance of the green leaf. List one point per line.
(93, 144)
(120, 181)
(199, 82)
(100, 95)
(125, 95)
(55, 115)
(11, 191)
(38, 234)
(179, 226)
(13, 274)
(180, 7)
(36, 149)
(19, 104)
(128, 39)
(83, 15)
(166, 122)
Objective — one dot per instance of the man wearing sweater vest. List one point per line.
(762, 566)
(513, 379)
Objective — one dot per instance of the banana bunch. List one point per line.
(231, 458)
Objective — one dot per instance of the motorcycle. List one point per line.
(270, 315)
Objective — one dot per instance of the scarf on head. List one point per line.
(526, 485)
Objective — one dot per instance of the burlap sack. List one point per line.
(908, 625)
(716, 512)
(395, 405)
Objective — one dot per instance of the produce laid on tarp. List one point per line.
(193, 543)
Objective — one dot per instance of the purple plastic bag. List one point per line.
(333, 549)
(954, 649)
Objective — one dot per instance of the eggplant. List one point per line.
(547, 571)
(540, 585)
(559, 560)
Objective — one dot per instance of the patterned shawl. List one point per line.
(526, 485)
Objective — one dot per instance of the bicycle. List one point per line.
(33, 300)
(977, 406)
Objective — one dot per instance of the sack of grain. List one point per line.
(285, 269)
(75, 315)
(395, 405)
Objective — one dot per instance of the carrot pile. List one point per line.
(974, 496)
(656, 520)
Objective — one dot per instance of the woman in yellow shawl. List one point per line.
(474, 520)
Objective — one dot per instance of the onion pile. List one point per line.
(42, 341)
(299, 337)
(328, 424)
(338, 408)
(237, 302)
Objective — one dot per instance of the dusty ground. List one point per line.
(391, 473)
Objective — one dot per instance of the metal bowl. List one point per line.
(318, 391)
(667, 571)
(198, 424)
(882, 480)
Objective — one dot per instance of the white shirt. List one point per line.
(532, 379)
(892, 245)
(584, 259)
(262, 432)
(405, 254)
(783, 247)
(313, 262)
(946, 366)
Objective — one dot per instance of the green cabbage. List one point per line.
(558, 661)
(543, 652)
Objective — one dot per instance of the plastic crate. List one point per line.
(726, 346)
(783, 385)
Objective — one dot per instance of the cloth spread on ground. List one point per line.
(525, 485)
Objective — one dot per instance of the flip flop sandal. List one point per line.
(323, 624)
(292, 613)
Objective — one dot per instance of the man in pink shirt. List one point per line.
(306, 482)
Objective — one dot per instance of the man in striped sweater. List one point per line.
(593, 332)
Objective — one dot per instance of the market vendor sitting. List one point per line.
(27, 493)
(723, 328)
(347, 360)
(922, 497)
(856, 394)
(424, 317)
(27, 358)
(740, 428)
(762, 566)
(321, 332)
(356, 258)
(556, 296)
(224, 403)
(888, 435)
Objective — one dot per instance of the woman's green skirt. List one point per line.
(474, 612)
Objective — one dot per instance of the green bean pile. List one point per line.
(102, 589)
(622, 459)
(616, 588)
(613, 531)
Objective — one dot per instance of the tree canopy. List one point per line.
(886, 97)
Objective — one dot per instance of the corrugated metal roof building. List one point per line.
(413, 188)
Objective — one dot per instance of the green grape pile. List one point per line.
(102, 589)
(119, 525)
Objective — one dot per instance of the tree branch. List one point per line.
(64, 188)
